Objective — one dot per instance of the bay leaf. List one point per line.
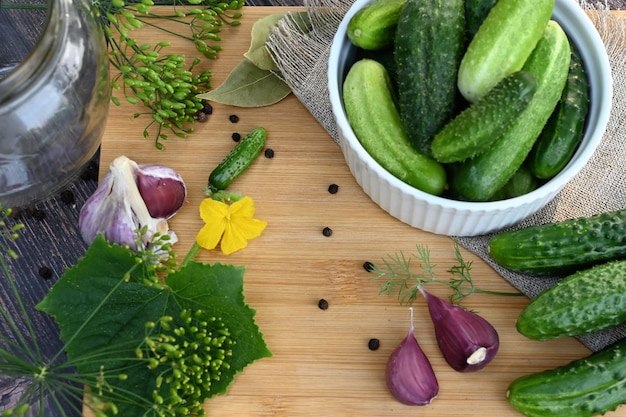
(257, 53)
(249, 86)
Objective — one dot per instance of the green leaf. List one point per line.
(249, 86)
(257, 52)
(103, 304)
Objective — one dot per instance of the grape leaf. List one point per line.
(103, 303)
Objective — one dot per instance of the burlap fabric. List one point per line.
(601, 186)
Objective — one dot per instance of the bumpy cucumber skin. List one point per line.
(371, 111)
(585, 387)
(479, 178)
(374, 26)
(475, 13)
(564, 131)
(238, 160)
(563, 247)
(476, 128)
(502, 44)
(589, 300)
(429, 44)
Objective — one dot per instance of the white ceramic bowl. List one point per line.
(457, 218)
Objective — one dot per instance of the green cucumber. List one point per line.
(479, 178)
(502, 44)
(522, 182)
(584, 387)
(482, 123)
(564, 131)
(587, 301)
(374, 26)
(563, 247)
(238, 160)
(475, 13)
(372, 114)
(429, 44)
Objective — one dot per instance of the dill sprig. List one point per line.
(401, 278)
(165, 83)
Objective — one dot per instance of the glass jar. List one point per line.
(54, 96)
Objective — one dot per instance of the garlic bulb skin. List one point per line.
(409, 375)
(117, 210)
(467, 341)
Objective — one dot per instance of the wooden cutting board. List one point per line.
(321, 364)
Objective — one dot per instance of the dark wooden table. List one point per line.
(50, 241)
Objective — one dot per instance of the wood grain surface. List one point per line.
(321, 364)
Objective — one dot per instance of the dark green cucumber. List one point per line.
(475, 13)
(238, 160)
(476, 128)
(374, 26)
(369, 102)
(429, 44)
(585, 387)
(522, 182)
(563, 247)
(479, 178)
(564, 131)
(587, 301)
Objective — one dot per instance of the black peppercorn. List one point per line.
(39, 214)
(233, 118)
(207, 108)
(269, 153)
(333, 188)
(373, 344)
(67, 197)
(327, 231)
(45, 272)
(368, 266)
(201, 117)
(322, 304)
(236, 136)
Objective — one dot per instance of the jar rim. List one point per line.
(43, 52)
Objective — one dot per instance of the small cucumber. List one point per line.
(475, 13)
(502, 44)
(522, 182)
(374, 26)
(429, 44)
(564, 130)
(370, 107)
(479, 178)
(238, 160)
(481, 124)
(589, 300)
(562, 247)
(586, 387)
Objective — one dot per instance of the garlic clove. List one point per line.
(162, 189)
(409, 375)
(117, 210)
(104, 212)
(467, 341)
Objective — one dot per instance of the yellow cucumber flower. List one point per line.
(231, 224)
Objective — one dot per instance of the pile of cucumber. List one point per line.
(475, 100)
(589, 254)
